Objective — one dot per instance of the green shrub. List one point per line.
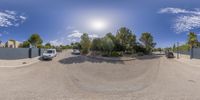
(140, 54)
(105, 54)
(84, 51)
(128, 52)
(115, 54)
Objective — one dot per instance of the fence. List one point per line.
(190, 54)
(19, 53)
(196, 53)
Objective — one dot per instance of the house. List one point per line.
(12, 44)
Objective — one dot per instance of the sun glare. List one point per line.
(98, 24)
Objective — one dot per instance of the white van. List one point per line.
(49, 54)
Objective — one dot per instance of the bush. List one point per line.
(115, 54)
(129, 52)
(84, 51)
(140, 54)
(140, 49)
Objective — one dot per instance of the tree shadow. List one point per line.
(148, 57)
(82, 59)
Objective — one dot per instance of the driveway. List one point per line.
(69, 77)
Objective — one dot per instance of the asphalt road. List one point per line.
(69, 77)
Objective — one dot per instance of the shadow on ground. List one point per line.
(82, 59)
(147, 57)
(41, 59)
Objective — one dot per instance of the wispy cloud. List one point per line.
(11, 18)
(75, 34)
(186, 20)
(3, 33)
(69, 27)
(93, 36)
(69, 35)
(179, 11)
(56, 42)
(187, 23)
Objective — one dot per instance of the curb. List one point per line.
(22, 65)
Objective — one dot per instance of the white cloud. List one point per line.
(10, 18)
(93, 36)
(75, 34)
(69, 27)
(186, 20)
(70, 36)
(179, 11)
(22, 17)
(187, 23)
(10, 12)
(73, 40)
(172, 10)
(56, 42)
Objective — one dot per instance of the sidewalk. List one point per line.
(18, 63)
(192, 62)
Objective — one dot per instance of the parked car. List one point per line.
(49, 54)
(76, 52)
(169, 54)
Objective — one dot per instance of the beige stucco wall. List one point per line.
(17, 44)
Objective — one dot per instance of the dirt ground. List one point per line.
(70, 77)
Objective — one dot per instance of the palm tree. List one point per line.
(35, 40)
(192, 39)
(192, 42)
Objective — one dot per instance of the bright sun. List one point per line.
(98, 24)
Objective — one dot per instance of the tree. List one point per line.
(111, 36)
(139, 48)
(40, 46)
(85, 43)
(107, 45)
(35, 40)
(25, 44)
(125, 38)
(147, 40)
(198, 45)
(65, 47)
(96, 44)
(159, 49)
(131, 42)
(174, 48)
(184, 47)
(192, 40)
(76, 45)
(48, 46)
(168, 49)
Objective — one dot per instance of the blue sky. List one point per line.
(63, 21)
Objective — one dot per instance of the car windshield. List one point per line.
(49, 51)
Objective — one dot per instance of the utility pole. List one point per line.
(177, 50)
